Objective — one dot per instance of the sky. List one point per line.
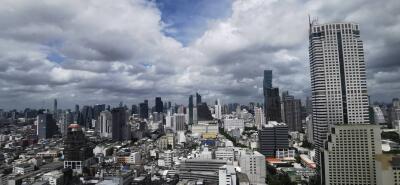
(103, 51)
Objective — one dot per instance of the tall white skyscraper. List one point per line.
(338, 79)
(218, 110)
(105, 124)
(259, 117)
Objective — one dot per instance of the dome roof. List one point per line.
(74, 125)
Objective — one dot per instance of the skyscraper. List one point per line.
(105, 124)
(55, 110)
(267, 84)
(291, 112)
(218, 110)
(338, 78)
(259, 117)
(272, 105)
(144, 110)
(198, 99)
(120, 130)
(159, 105)
(46, 126)
(190, 109)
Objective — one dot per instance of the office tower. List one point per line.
(55, 110)
(198, 99)
(76, 108)
(77, 150)
(259, 117)
(394, 113)
(190, 106)
(267, 84)
(349, 154)
(87, 116)
(159, 105)
(179, 122)
(272, 137)
(203, 112)
(308, 106)
(97, 109)
(218, 109)
(144, 110)
(273, 105)
(338, 78)
(66, 119)
(120, 130)
(253, 165)
(195, 116)
(378, 115)
(291, 112)
(46, 126)
(134, 109)
(105, 124)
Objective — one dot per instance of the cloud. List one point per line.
(99, 51)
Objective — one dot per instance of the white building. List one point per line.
(350, 154)
(227, 175)
(378, 115)
(23, 168)
(388, 166)
(231, 124)
(179, 122)
(218, 110)
(201, 129)
(135, 158)
(105, 124)
(226, 154)
(168, 156)
(259, 117)
(54, 177)
(253, 165)
(338, 78)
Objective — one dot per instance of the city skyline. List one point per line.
(160, 53)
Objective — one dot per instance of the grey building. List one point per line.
(291, 112)
(273, 136)
(46, 126)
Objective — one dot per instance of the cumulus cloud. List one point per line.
(100, 51)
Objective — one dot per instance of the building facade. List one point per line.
(338, 78)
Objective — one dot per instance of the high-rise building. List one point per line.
(144, 110)
(218, 110)
(203, 112)
(134, 109)
(349, 154)
(198, 99)
(179, 122)
(267, 84)
(190, 106)
(272, 137)
(120, 130)
(87, 116)
(253, 165)
(273, 105)
(159, 105)
(259, 117)
(46, 126)
(77, 150)
(338, 78)
(105, 124)
(227, 175)
(55, 109)
(291, 112)
(66, 119)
